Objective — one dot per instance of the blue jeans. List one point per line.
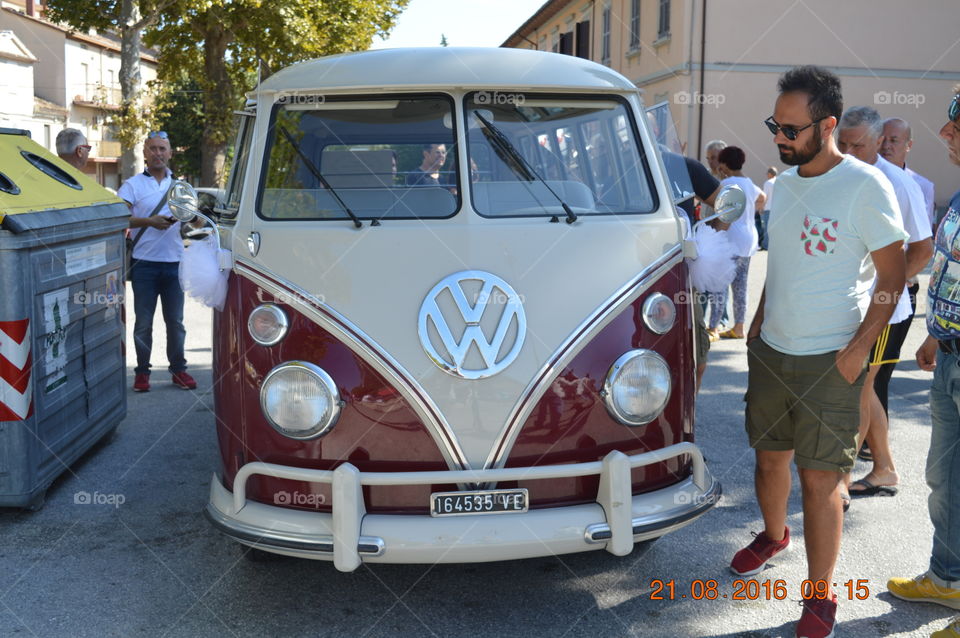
(765, 233)
(150, 280)
(943, 469)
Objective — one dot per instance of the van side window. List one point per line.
(238, 171)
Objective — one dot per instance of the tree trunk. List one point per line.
(130, 160)
(218, 103)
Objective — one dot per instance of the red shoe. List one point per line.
(141, 383)
(818, 618)
(184, 380)
(751, 559)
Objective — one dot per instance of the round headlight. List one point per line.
(300, 400)
(267, 324)
(659, 313)
(637, 387)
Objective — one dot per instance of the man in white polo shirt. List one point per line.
(897, 142)
(860, 135)
(808, 344)
(156, 263)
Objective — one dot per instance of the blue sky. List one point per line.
(464, 22)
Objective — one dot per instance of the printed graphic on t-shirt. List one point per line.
(819, 235)
(943, 317)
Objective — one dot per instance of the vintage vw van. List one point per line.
(457, 325)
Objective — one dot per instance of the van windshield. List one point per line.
(382, 158)
(585, 151)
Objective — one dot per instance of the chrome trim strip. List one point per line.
(648, 525)
(371, 352)
(602, 316)
(371, 546)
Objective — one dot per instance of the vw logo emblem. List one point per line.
(472, 324)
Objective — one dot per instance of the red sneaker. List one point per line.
(184, 380)
(818, 619)
(751, 559)
(141, 383)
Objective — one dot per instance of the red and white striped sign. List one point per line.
(16, 391)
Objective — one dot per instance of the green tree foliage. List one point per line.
(222, 43)
(180, 114)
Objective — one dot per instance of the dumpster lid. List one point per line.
(32, 179)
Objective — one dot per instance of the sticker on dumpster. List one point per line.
(113, 294)
(16, 391)
(55, 308)
(84, 258)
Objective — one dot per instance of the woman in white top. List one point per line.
(743, 233)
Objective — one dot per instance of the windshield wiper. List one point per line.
(504, 147)
(323, 180)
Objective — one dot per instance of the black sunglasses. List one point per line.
(789, 132)
(953, 111)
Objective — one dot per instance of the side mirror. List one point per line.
(184, 207)
(729, 205)
(182, 202)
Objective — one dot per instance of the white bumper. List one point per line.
(349, 536)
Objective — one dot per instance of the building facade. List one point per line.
(75, 83)
(716, 62)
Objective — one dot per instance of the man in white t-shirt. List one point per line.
(897, 142)
(155, 271)
(809, 341)
(860, 135)
(765, 215)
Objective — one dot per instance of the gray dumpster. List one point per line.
(62, 365)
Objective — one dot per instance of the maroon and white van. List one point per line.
(457, 325)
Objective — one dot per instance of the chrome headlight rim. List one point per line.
(278, 314)
(646, 312)
(611, 378)
(325, 379)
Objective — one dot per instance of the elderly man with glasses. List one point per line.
(940, 353)
(72, 148)
(808, 344)
(155, 268)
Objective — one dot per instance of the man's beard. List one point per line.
(791, 157)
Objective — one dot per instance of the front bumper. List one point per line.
(348, 535)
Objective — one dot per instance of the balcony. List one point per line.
(98, 96)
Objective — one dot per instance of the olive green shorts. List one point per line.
(802, 403)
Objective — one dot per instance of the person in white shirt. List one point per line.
(860, 135)
(743, 234)
(897, 142)
(809, 340)
(155, 269)
(765, 215)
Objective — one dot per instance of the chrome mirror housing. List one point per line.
(182, 201)
(730, 204)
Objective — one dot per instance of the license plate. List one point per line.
(479, 502)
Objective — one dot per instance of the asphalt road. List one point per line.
(151, 565)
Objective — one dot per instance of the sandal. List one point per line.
(730, 334)
(869, 489)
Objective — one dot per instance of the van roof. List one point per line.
(445, 67)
